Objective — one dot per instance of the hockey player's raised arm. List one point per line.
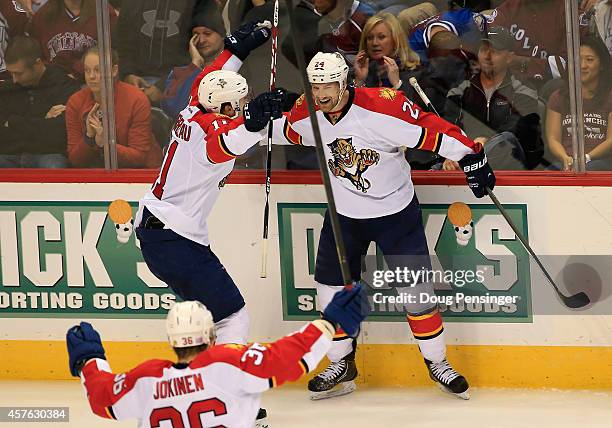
(228, 138)
(289, 358)
(116, 396)
(267, 366)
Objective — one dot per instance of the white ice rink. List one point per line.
(381, 408)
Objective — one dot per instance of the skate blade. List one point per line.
(343, 388)
(465, 395)
(262, 424)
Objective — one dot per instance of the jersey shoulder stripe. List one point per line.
(299, 110)
(385, 101)
(214, 125)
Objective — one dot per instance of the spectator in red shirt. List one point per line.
(136, 146)
(595, 69)
(66, 29)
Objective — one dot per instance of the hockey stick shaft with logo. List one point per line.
(331, 202)
(266, 217)
(577, 300)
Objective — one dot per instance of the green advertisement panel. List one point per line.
(64, 259)
(500, 286)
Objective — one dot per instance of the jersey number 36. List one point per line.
(214, 405)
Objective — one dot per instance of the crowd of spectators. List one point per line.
(497, 68)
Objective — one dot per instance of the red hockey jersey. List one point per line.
(66, 39)
(220, 387)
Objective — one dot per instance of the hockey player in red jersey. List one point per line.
(363, 130)
(208, 134)
(209, 386)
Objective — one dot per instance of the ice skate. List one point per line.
(261, 421)
(337, 379)
(448, 379)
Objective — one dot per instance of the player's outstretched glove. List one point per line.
(348, 309)
(478, 173)
(83, 343)
(259, 111)
(248, 37)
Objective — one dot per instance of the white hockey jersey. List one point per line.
(198, 161)
(221, 387)
(369, 175)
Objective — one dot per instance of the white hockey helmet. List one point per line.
(220, 87)
(189, 324)
(328, 68)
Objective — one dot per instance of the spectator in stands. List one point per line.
(205, 45)
(595, 69)
(448, 66)
(329, 26)
(538, 28)
(411, 16)
(598, 18)
(306, 21)
(463, 23)
(496, 108)
(32, 123)
(13, 21)
(151, 39)
(341, 25)
(136, 147)
(384, 58)
(31, 6)
(65, 30)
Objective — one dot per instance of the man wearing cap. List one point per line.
(205, 44)
(496, 108)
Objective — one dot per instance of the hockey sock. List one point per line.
(428, 330)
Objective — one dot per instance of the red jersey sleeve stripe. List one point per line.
(430, 140)
(291, 136)
(217, 151)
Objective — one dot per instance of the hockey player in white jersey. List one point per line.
(216, 126)
(209, 386)
(362, 131)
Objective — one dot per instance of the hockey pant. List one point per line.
(194, 272)
(401, 237)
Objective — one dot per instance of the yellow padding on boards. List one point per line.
(565, 367)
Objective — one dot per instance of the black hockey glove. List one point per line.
(348, 309)
(478, 173)
(247, 38)
(83, 343)
(259, 111)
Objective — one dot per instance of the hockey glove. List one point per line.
(478, 173)
(259, 111)
(248, 37)
(348, 309)
(83, 344)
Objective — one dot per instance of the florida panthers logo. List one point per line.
(349, 164)
(387, 94)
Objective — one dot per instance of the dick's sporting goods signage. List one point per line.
(62, 259)
(483, 270)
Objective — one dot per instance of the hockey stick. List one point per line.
(266, 217)
(574, 301)
(331, 202)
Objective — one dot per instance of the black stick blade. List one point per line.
(578, 300)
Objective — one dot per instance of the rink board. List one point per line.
(540, 344)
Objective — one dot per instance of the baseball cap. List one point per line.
(499, 38)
